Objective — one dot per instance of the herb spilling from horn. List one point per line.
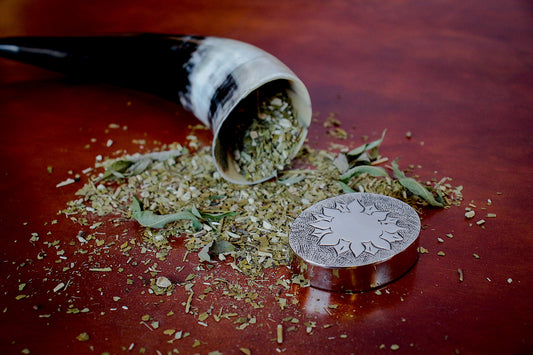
(257, 108)
(263, 146)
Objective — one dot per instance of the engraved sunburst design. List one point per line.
(356, 228)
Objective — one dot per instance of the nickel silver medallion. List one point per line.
(355, 242)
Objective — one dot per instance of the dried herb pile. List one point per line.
(176, 193)
(264, 141)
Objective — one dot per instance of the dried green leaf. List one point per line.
(136, 165)
(398, 174)
(345, 188)
(215, 247)
(341, 163)
(377, 142)
(374, 171)
(418, 189)
(196, 225)
(210, 217)
(414, 186)
(291, 179)
(440, 197)
(117, 169)
(152, 220)
(195, 211)
(355, 153)
(221, 247)
(203, 254)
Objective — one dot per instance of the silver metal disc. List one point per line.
(355, 242)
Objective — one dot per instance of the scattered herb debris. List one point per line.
(83, 337)
(177, 193)
(417, 188)
(460, 272)
(279, 333)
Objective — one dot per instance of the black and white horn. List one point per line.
(212, 77)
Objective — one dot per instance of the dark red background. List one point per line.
(458, 75)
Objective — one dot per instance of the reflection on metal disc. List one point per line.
(355, 242)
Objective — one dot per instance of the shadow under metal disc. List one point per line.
(355, 242)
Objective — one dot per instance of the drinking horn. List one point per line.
(212, 77)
